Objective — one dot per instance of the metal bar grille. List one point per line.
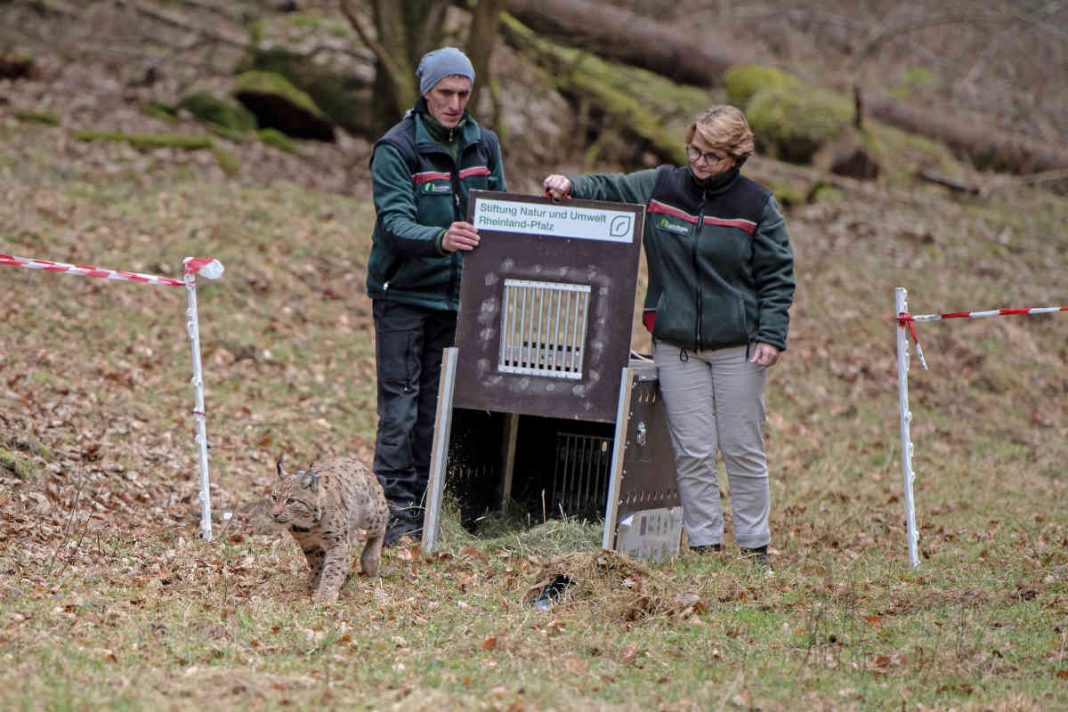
(543, 328)
(580, 477)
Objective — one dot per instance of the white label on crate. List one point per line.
(650, 534)
(556, 220)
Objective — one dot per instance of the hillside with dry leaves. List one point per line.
(110, 600)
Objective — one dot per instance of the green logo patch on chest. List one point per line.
(679, 228)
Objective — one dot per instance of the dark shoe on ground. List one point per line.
(706, 548)
(759, 557)
(404, 529)
(402, 523)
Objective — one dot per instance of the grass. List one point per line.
(277, 139)
(38, 117)
(148, 141)
(109, 600)
(17, 465)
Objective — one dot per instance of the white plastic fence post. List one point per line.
(193, 327)
(901, 308)
(206, 267)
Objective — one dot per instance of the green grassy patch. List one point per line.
(219, 113)
(277, 139)
(228, 162)
(17, 465)
(148, 141)
(45, 118)
(162, 111)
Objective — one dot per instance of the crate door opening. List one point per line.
(507, 471)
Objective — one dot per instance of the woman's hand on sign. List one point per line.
(557, 187)
(765, 355)
(461, 236)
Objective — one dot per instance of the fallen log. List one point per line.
(628, 37)
(986, 148)
(641, 103)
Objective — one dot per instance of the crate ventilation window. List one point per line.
(543, 328)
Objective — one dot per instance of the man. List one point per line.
(422, 170)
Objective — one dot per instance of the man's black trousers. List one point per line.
(409, 341)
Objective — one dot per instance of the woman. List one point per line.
(720, 288)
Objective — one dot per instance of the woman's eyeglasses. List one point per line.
(710, 158)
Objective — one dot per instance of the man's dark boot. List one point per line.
(759, 557)
(405, 520)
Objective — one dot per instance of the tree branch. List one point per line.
(485, 23)
(397, 76)
(366, 37)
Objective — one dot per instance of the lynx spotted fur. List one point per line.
(323, 508)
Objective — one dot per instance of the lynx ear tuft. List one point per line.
(278, 466)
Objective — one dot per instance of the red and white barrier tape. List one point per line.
(908, 321)
(983, 314)
(204, 266)
(191, 267)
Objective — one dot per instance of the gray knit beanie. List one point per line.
(441, 63)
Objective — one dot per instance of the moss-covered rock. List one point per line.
(791, 119)
(344, 98)
(745, 80)
(278, 140)
(791, 122)
(278, 104)
(219, 113)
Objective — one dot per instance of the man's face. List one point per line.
(447, 101)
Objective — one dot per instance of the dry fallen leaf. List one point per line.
(577, 666)
(472, 552)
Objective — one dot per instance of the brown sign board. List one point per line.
(546, 304)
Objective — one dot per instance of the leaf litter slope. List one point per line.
(107, 596)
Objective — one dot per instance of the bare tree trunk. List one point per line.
(404, 30)
(485, 21)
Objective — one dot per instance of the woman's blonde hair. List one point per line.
(724, 127)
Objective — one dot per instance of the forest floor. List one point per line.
(110, 600)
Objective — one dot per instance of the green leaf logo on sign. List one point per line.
(620, 226)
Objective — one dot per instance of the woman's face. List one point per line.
(704, 160)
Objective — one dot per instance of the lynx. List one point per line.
(323, 508)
